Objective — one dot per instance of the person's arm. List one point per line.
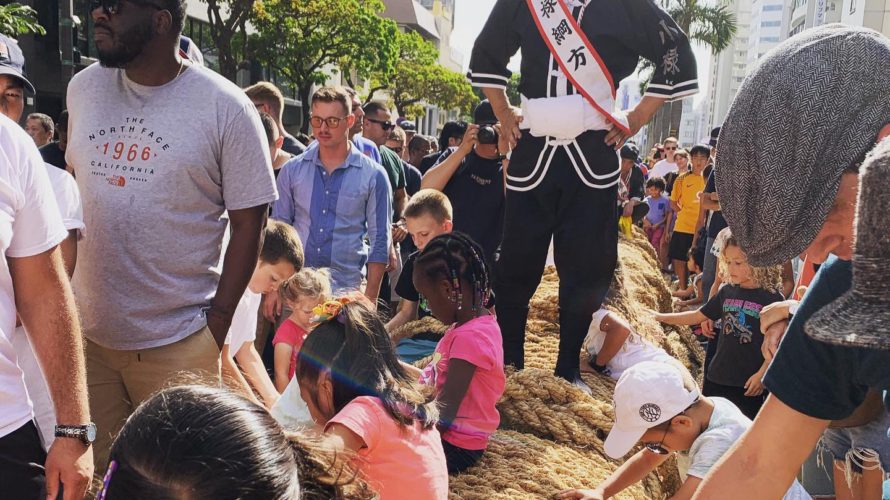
(407, 313)
(681, 318)
(766, 459)
(377, 215)
(283, 208)
(69, 252)
(232, 374)
(636, 118)
(508, 116)
(616, 335)
(400, 197)
(45, 304)
(631, 472)
(687, 489)
(238, 266)
(438, 176)
(754, 384)
(460, 374)
(709, 201)
(283, 354)
(252, 365)
(412, 370)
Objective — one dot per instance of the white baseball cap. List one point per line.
(647, 394)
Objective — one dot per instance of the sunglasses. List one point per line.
(384, 125)
(671, 149)
(331, 121)
(112, 7)
(658, 448)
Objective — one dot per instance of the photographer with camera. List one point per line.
(472, 176)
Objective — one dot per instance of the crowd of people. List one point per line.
(196, 302)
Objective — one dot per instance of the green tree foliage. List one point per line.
(419, 79)
(228, 20)
(17, 19)
(303, 39)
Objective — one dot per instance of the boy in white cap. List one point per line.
(660, 408)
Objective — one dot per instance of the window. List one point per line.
(770, 24)
(772, 8)
(769, 39)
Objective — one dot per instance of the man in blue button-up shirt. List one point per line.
(338, 199)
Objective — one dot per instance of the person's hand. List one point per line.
(503, 140)
(655, 314)
(773, 313)
(581, 494)
(509, 117)
(754, 385)
(398, 233)
(707, 328)
(772, 337)
(628, 209)
(469, 140)
(646, 223)
(271, 306)
(617, 137)
(69, 464)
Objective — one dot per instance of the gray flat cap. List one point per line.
(861, 317)
(809, 110)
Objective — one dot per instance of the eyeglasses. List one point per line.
(671, 149)
(112, 7)
(385, 125)
(659, 448)
(331, 121)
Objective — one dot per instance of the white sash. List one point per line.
(577, 57)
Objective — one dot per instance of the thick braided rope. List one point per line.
(520, 466)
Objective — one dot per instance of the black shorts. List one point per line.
(680, 245)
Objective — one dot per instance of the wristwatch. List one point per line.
(85, 433)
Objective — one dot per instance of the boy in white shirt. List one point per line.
(660, 408)
(280, 257)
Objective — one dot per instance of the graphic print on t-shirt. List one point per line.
(737, 316)
(126, 153)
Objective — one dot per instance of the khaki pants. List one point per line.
(118, 381)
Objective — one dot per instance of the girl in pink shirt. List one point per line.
(301, 293)
(368, 404)
(467, 370)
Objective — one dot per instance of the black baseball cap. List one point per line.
(484, 114)
(12, 61)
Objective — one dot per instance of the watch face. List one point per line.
(91, 432)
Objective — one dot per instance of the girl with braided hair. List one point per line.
(369, 405)
(467, 370)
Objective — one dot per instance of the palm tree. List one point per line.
(712, 26)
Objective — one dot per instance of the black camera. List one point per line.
(487, 135)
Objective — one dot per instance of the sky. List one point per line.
(470, 16)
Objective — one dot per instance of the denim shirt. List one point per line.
(336, 213)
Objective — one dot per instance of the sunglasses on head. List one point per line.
(385, 125)
(112, 7)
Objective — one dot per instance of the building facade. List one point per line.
(729, 68)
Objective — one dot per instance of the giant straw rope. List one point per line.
(552, 434)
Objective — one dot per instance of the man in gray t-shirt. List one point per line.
(166, 155)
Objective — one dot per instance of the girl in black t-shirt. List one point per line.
(736, 373)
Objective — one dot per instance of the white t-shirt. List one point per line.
(662, 168)
(726, 426)
(68, 199)
(290, 411)
(244, 321)
(157, 166)
(635, 349)
(29, 225)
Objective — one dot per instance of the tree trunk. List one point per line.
(306, 107)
